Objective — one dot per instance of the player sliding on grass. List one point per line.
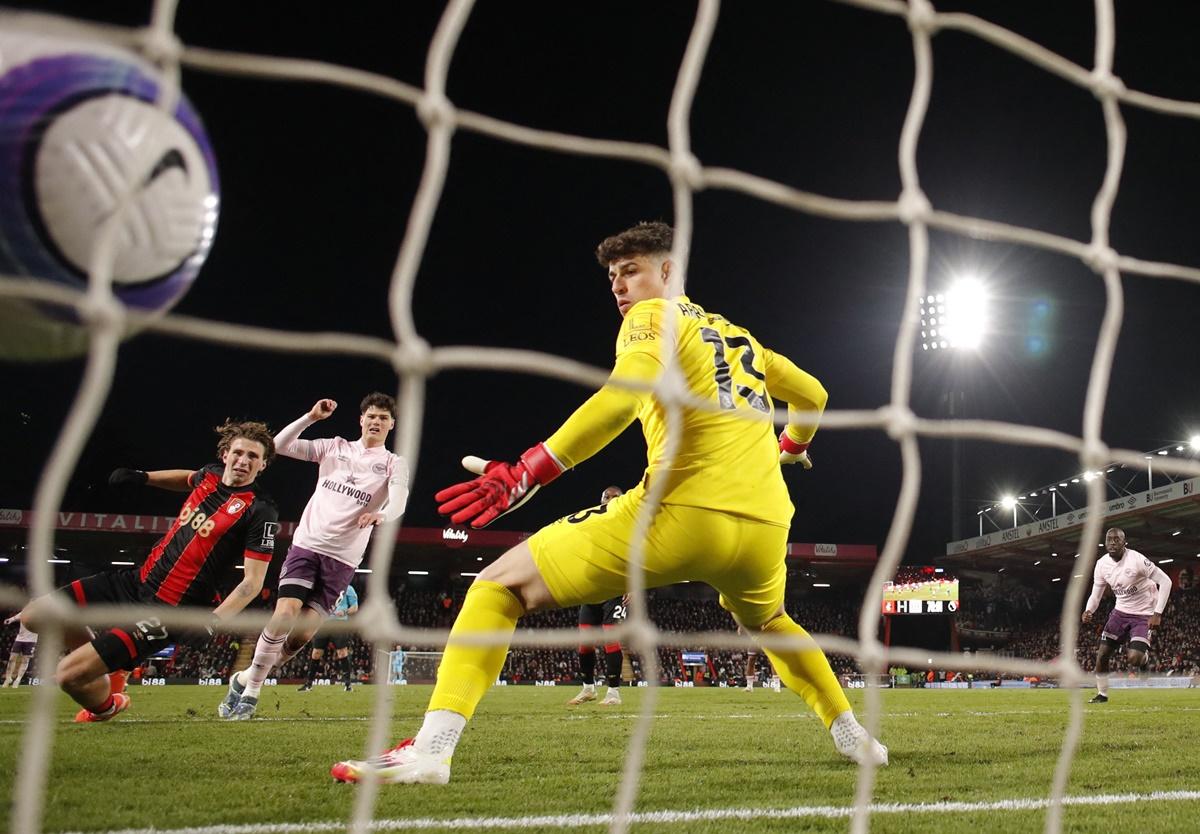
(360, 485)
(1140, 604)
(224, 518)
(724, 517)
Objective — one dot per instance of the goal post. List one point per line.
(412, 667)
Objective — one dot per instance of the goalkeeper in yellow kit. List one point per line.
(723, 519)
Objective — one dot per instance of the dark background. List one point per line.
(317, 184)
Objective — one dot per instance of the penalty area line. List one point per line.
(668, 817)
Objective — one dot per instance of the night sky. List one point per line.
(317, 184)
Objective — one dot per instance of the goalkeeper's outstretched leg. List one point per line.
(503, 592)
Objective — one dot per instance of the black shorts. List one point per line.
(339, 640)
(609, 612)
(126, 646)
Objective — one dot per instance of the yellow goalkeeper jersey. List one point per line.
(728, 457)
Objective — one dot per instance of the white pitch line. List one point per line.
(667, 817)
(630, 716)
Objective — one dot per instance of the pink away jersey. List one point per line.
(1134, 581)
(353, 480)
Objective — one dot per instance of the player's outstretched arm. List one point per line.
(502, 487)
(806, 399)
(176, 480)
(288, 442)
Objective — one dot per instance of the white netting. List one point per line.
(414, 361)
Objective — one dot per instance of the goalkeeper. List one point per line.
(724, 518)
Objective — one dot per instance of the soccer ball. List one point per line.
(83, 146)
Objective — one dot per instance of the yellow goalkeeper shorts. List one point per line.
(584, 557)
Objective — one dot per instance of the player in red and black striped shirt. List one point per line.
(225, 518)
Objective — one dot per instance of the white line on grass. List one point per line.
(664, 817)
(629, 716)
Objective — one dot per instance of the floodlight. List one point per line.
(1195, 442)
(1008, 502)
(957, 318)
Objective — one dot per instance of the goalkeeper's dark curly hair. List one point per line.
(252, 430)
(646, 238)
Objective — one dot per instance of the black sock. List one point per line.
(587, 664)
(345, 664)
(612, 666)
(313, 664)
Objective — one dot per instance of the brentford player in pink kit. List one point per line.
(361, 484)
(1142, 590)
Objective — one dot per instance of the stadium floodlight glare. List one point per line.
(362, 570)
(1008, 502)
(123, 563)
(59, 561)
(956, 319)
(418, 573)
(1194, 442)
(1165, 561)
(826, 584)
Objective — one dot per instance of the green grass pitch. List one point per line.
(170, 763)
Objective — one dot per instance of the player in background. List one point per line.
(20, 654)
(360, 484)
(752, 662)
(1142, 589)
(751, 669)
(347, 604)
(606, 615)
(224, 518)
(397, 658)
(724, 516)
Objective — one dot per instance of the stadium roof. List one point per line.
(1163, 523)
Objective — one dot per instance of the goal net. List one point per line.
(415, 362)
(412, 667)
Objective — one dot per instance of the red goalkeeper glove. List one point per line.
(499, 489)
(792, 452)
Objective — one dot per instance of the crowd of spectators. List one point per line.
(1001, 617)
(1174, 649)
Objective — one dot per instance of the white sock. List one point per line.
(1102, 685)
(589, 687)
(266, 655)
(440, 732)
